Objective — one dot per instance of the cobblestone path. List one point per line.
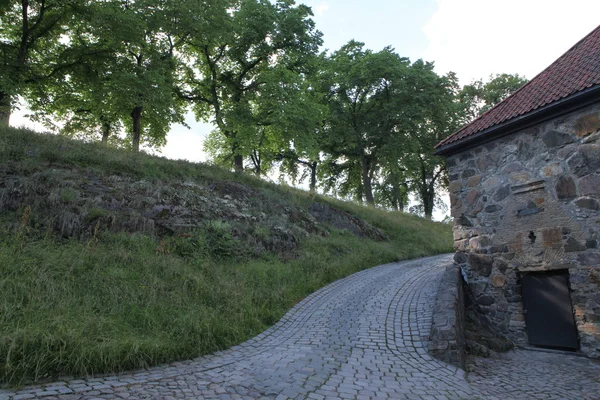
(361, 337)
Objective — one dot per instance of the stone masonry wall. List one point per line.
(527, 202)
(447, 337)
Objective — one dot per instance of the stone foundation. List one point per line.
(531, 202)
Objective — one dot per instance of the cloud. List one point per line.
(476, 38)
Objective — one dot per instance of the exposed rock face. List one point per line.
(80, 204)
(342, 220)
(534, 206)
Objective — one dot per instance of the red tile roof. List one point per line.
(576, 70)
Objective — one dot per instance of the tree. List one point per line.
(392, 189)
(365, 90)
(133, 81)
(29, 44)
(478, 96)
(441, 115)
(247, 77)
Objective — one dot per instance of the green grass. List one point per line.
(114, 301)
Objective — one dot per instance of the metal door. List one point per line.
(548, 310)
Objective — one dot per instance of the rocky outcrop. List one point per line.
(79, 204)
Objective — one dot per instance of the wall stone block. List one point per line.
(589, 203)
(590, 186)
(480, 263)
(554, 138)
(586, 160)
(474, 181)
(512, 167)
(472, 197)
(553, 169)
(565, 188)
(502, 193)
(587, 125)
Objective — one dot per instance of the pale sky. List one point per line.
(474, 38)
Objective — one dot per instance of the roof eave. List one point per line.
(568, 104)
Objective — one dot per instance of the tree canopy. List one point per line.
(355, 122)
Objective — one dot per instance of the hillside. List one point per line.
(111, 260)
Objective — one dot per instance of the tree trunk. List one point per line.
(105, 132)
(366, 181)
(313, 177)
(5, 110)
(428, 197)
(403, 197)
(238, 162)
(136, 116)
(257, 168)
(395, 198)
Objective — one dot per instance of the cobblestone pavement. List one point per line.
(361, 337)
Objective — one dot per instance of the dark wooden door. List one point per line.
(548, 310)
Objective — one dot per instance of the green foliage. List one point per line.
(127, 76)
(361, 124)
(248, 79)
(30, 48)
(479, 96)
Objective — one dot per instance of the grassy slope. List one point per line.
(117, 301)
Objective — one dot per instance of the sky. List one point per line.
(473, 38)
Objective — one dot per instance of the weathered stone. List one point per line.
(465, 155)
(486, 300)
(502, 193)
(498, 281)
(493, 208)
(500, 265)
(491, 183)
(552, 237)
(531, 209)
(460, 257)
(586, 160)
(476, 209)
(464, 221)
(565, 188)
(586, 202)
(461, 245)
(472, 196)
(587, 125)
(520, 177)
(512, 167)
(481, 263)
(474, 180)
(455, 186)
(591, 244)
(572, 245)
(479, 242)
(589, 258)
(553, 169)
(468, 173)
(555, 138)
(590, 186)
(461, 232)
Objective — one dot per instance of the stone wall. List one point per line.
(526, 202)
(447, 338)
